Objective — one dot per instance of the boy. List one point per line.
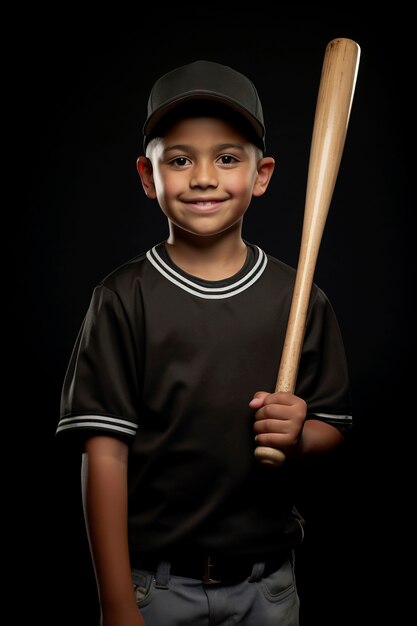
(169, 384)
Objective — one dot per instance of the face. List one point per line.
(203, 173)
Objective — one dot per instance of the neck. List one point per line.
(210, 258)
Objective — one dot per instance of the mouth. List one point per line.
(204, 206)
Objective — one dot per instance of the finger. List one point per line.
(280, 397)
(258, 399)
(276, 426)
(274, 412)
(272, 440)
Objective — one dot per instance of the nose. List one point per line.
(204, 175)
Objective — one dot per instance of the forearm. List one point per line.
(317, 438)
(104, 486)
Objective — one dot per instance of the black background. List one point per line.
(79, 92)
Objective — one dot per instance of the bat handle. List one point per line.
(269, 456)
(285, 382)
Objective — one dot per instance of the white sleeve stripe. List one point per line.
(100, 422)
(332, 416)
(338, 421)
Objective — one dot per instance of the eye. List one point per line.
(180, 161)
(227, 159)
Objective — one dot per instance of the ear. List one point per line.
(144, 167)
(265, 167)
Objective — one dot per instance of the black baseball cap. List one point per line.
(205, 81)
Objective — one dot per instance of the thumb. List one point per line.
(258, 399)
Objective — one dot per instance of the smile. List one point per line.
(205, 205)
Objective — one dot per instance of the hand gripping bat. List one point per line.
(334, 102)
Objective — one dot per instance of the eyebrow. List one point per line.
(222, 146)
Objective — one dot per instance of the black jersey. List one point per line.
(170, 362)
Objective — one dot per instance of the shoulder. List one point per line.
(278, 274)
(285, 275)
(280, 267)
(125, 276)
(122, 289)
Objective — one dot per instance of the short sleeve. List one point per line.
(100, 390)
(323, 376)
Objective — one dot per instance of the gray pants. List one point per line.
(166, 600)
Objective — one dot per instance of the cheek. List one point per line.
(241, 186)
(168, 188)
(168, 185)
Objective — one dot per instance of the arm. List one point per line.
(104, 490)
(280, 422)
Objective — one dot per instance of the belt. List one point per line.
(213, 569)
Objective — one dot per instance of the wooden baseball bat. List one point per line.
(334, 102)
